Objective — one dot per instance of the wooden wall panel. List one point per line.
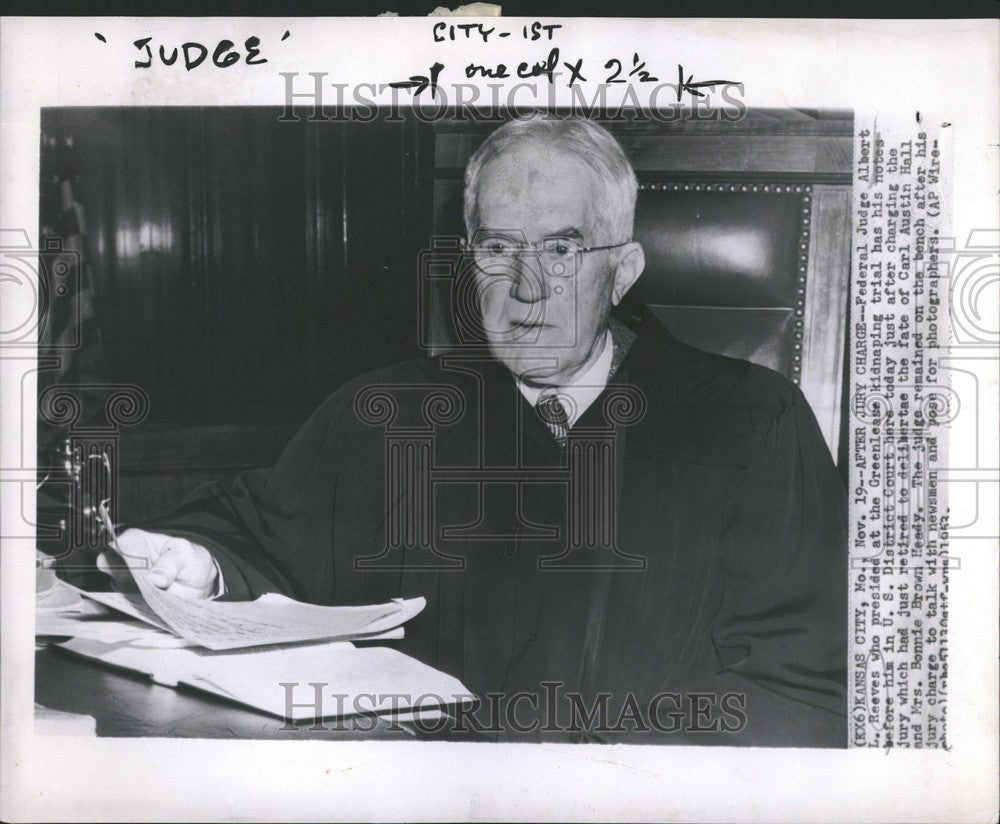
(784, 156)
(243, 268)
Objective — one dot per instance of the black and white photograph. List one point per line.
(669, 566)
(516, 401)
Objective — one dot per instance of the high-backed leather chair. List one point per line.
(746, 231)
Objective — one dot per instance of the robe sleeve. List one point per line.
(781, 633)
(269, 529)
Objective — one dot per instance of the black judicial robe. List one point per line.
(708, 555)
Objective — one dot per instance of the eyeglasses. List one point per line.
(559, 256)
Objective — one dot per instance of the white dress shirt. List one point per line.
(583, 390)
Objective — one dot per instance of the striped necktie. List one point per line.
(553, 414)
(552, 410)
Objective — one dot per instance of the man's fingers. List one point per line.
(184, 569)
(136, 547)
(169, 566)
(170, 563)
(191, 593)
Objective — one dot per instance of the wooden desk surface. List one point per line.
(130, 705)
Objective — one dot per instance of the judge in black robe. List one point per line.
(684, 555)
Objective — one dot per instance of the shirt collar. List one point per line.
(584, 389)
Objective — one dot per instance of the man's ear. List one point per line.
(630, 266)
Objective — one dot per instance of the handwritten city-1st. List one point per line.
(615, 70)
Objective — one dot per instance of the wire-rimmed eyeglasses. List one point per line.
(558, 256)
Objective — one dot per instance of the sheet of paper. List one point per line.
(134, 606)
(164, 658)
(355, 681)
(128, 603)
(103, 628)
(271, 619)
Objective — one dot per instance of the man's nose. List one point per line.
(528, 281)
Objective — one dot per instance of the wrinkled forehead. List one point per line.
(539, 190)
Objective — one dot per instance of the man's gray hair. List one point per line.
(584, 139)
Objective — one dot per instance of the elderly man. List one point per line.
(629, 538)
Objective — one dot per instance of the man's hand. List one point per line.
(175, 564)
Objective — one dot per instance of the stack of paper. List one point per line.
(280, 680)
(286, 646)
(271, 619)
(62, 609)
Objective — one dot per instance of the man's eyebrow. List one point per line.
(568, 232)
